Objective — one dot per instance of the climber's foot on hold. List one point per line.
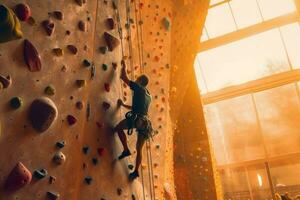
(124, 154)
(133, 175)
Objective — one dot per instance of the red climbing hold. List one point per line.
(101, 151)
(105, 105)
(18, 177)
(23, 11)
(71, 120)
(32, 57)
(100, 125)
(107, 87)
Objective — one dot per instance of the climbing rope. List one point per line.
(139, 29)
(117, 13)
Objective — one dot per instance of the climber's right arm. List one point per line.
(124, 76)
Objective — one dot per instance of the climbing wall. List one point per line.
(60, 105)
(194, 169)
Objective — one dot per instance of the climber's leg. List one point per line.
(139, 153)
(120, 130)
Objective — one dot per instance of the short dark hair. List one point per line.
(144, 80)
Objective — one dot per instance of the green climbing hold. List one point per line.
(167, 24)
(40, 174)
(49, 90)
(104, 67)
(10, 27)
(16, 102)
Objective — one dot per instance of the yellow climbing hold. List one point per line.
(10, 27)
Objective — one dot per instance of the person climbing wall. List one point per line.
(136, 118)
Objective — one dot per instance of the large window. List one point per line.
(249, 78)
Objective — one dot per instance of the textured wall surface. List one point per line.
(20, 142)
(193, 163)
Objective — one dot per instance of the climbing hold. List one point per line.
(49, 90)
(16, 102)
(71, 120)
(130, 166)
(80, 83)
(93, 72)
(105, 105)
(40, 174)
(88, 111)
(23, 11)
(86, 149)
(18, 177)
(32, 57)
(58, 52)
(10, 27)
(52, 196)
(79, 105)
(59, 158)
(110, 23)
(100, 151)
(95, 161)
(115, 65)
(48, 26)
(86, 63)
(31, 21)
(5, 81)
(119, 191)
(42, 113)
(60, 144)
(133, 197)
(107, 87)
(111, 41)
(104, 67)
(100, 125)
(88, 180)
(52, 179)
(72, 49)
(58, 15)
(103, 49)
(80, 2)
(82, 26)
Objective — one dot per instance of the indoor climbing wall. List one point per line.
(193, 163)
(58, 99)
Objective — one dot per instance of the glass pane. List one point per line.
(246, 13)
(248, 59)
(219, 21)
(204, 36)
(233, 123)
(274, 8)
(285, 175)
(259, 183)
(235, 185)
(279, 114)
(199, 77)
(291, 36)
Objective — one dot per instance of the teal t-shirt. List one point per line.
(141, 99)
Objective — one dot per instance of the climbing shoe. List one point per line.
(133, 175)
(124, 154)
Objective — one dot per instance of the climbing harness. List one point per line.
(142, 123)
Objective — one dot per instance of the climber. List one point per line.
(136, 118)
